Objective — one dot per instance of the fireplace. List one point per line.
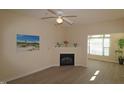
(66, 59)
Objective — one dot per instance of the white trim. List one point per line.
(102, 59)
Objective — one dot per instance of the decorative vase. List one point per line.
(75, 44)
(66, 43)
(121, 60)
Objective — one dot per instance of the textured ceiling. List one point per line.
(84, 16)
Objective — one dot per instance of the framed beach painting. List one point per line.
(27, 42)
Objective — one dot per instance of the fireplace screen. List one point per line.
(66, 59)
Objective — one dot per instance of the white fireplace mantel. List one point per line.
(68, 50)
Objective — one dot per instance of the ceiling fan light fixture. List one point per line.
(59, 20)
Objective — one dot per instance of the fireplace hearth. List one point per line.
(66, 59)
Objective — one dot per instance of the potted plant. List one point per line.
(120, 52)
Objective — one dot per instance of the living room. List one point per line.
(17, 63)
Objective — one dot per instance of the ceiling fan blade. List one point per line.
(47, 17)
(53, 12)
(70, 16)
(67, 21)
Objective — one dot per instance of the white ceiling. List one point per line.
(84, 16)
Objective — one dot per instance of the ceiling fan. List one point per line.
(60, 17)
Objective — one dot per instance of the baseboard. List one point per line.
(104, 60)
(80, 65)
(28, 73)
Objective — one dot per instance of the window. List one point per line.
(99, 44)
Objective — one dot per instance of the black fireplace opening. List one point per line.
(66, 59)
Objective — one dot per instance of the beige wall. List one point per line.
(1, 49)
(14, 64)
(76, 34)
(79, 33)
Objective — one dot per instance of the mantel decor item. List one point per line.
(75, 44)
(58, 44)
(65, 43)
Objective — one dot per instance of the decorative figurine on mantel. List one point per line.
(75, 44)
(58, 44)
(65, 43)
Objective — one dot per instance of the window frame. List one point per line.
(103, 37)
